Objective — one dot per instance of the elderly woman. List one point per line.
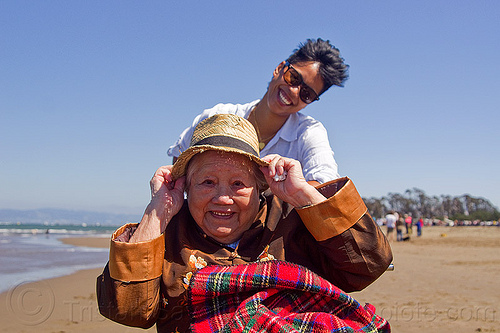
(231, 218)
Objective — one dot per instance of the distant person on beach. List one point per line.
(254, 226)
(420, 224)
(399, 227)
(409, 224)
(298, 81)
(390, 223)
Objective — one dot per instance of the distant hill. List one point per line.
(63, 216)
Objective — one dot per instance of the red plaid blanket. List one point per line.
(274, 296)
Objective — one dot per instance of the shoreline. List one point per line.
(445, 280)
(35, 257)
(65, 303)
(99, 242)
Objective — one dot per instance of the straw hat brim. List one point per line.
(180, 165)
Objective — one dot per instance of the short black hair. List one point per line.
(332, 68)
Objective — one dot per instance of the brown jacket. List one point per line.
(145, 283)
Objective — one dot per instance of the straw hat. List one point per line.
(222, 132)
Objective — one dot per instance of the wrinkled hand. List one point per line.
(167, 197)
(294, 189)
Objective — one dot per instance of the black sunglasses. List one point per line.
(294, 79)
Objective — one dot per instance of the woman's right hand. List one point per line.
(167, 198)
(167, 195)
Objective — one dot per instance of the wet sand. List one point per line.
(444, 281)
(87, 241)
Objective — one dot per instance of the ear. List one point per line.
(278, 69)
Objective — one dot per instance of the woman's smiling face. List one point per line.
(223, 196)
(283, 99)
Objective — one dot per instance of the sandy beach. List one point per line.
(444, 281)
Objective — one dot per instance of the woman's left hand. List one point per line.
(286, 181)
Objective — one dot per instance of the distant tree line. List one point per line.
(418, 204)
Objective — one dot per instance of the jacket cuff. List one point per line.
(140, 261)
(335, 215)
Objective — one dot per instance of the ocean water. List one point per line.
(30, 252)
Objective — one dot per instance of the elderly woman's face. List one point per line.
(223, 197)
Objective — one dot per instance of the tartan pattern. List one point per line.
(274, 296)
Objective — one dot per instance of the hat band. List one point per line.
(228, 142)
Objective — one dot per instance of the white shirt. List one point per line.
(390, 220)
(301, 137)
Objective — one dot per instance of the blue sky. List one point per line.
(92, 93)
